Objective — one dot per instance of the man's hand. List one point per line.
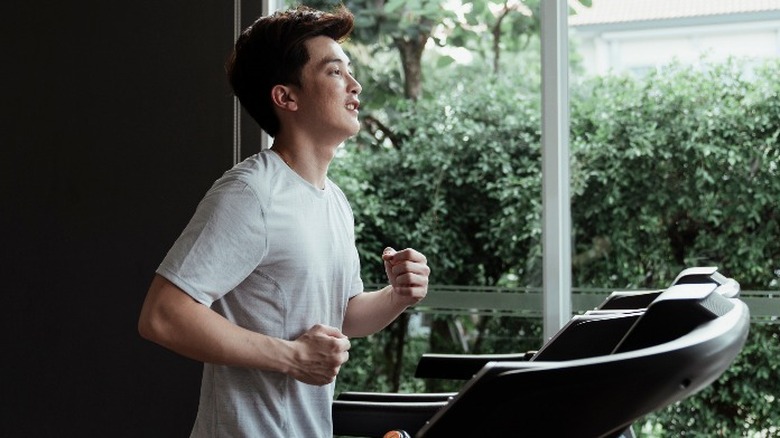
(408, 271)
(319, 354)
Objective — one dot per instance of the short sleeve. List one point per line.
(223, 243)
(357, 282)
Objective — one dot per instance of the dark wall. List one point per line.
(116, 117)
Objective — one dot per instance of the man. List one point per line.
(263, 284)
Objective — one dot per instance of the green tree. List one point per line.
(511, 26)
(405, 25)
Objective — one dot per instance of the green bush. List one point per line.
(459, 178)
(678, 169)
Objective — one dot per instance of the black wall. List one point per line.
(116, 117)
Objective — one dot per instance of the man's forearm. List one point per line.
(370, 312)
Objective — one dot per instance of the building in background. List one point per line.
(617, 36)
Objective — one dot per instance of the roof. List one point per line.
(624, 11)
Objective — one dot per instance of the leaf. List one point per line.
(444, 61)
(392, 6)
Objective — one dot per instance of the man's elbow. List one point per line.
(149, 326)
(153, 322)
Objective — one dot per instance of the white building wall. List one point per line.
(636, 50)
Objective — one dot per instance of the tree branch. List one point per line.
(375, 125)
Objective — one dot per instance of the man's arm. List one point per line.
(369, 312)
(174, 320)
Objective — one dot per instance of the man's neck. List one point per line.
(309, 161)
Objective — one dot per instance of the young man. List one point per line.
(263, 285)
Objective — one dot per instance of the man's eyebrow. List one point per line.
(327, 61)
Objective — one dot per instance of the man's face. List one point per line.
(328, 97)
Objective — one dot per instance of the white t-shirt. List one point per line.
(276, 255)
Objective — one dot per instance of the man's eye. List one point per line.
(337, 72)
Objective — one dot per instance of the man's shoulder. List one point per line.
(254, 167)
(257, 172)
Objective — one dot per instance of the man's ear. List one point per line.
(284, 98)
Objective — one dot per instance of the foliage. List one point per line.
(459, 176)
(510, 26)
(675, 170)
